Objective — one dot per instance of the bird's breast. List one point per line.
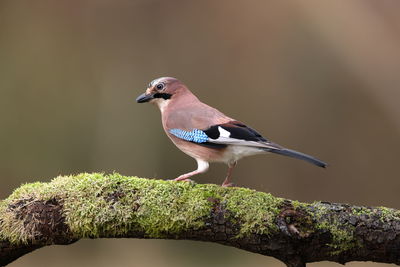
(198, 151)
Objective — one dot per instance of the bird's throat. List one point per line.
(161, 103)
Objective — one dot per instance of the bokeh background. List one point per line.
(321, 77)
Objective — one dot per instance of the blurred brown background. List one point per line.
(321, 77)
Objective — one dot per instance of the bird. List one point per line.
(206, 134)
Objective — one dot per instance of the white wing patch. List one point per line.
(225, 139)
(223, 132)
(238, 142)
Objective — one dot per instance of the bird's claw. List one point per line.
(228, 185)
(184, 180)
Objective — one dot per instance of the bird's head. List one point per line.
(161, 90)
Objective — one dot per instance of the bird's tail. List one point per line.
(297, 155)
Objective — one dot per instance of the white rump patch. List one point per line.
(223, 132)
(234, 153)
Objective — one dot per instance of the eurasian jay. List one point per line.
(206, 134)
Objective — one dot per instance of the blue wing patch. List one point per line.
(196, 136)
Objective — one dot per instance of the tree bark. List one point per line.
(114, 206)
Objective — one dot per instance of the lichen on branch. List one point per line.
(97, 205)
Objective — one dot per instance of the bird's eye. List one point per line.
(160, 86)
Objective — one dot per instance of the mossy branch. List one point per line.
(96, 206)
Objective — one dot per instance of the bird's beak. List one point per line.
(144, 98)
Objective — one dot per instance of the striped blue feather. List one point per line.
(196, 135)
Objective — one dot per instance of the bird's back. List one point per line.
(188, 113)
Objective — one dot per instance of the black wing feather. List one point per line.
(237, 130)
(240, 131)
(211, 145)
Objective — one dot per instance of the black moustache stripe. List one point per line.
(162, 95)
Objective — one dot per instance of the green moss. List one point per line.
(387, 214)
(101, 205)
(342, 234)
(98, 205)
(161, 206)
(255, 211)
(358, 211)
(11, 228)
(297, 205)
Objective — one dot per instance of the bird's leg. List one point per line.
(202, 166)
(227, 181)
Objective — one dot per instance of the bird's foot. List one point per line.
(228, 184)
(183, 180)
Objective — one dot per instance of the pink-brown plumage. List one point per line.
(221, 138)
(187, 113)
